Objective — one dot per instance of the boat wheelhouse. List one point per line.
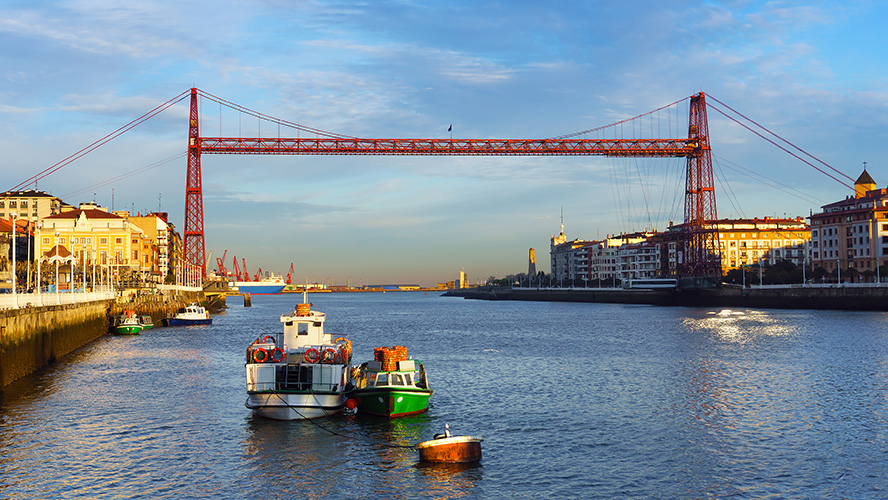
(391, 385)
(301, 373)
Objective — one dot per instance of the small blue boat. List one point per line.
(192, 314)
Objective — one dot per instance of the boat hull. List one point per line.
(294, 406)
(128, 329)
(259, 288)
(392, 403)
(186, 322)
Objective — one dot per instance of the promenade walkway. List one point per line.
(24, 300)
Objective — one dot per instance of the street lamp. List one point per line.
(57, 265)
(838, 271)
(28, 234)
(13, 216)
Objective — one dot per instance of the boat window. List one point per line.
(397, 380)
(302, 328)
(382, 379)
(407, 380)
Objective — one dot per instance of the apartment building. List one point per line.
(29, 205)
(852, 233)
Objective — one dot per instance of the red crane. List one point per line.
(701, 244)
(290, 274)
(220, 264)
(237, 272)
(244, 269)
(258, 275)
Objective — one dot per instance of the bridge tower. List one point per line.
(194, 253)
(701, 244)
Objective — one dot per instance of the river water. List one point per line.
(572, 400)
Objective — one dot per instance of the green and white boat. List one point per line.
(128, 324)
(146, 321)
(400, 391)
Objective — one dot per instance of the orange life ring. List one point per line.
(268, 339)
(277, 355)
(312, 355)
(329, 356)
(340, 338)
(260, 355)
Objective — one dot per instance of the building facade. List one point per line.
(96, 237)
(29, 204)
(744, 242)
(852, 233)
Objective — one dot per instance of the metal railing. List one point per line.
(24, 300)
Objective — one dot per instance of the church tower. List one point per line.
(863, 184)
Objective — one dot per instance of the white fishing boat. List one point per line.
(301, 373)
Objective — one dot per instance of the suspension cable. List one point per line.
(104, 140)
(262, 116)
(815, 167)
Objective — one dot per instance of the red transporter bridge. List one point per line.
(701, 243)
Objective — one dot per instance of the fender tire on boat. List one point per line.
(277, 355)
(312, 355)
(329, 356)
(260, 355)
(268, 339)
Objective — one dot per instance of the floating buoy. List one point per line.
(351, 404)
(446, 448)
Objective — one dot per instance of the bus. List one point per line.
(650, 283)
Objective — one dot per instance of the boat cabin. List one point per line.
(410, 373)
(304, 327)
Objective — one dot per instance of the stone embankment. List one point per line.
(847, 297)
(33, 337)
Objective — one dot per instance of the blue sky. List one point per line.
(72, 72)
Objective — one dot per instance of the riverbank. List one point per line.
(840, 297)
(35, 336)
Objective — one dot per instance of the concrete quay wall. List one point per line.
(33, 337)
(829, 297)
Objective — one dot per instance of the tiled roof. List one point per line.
(90, 214)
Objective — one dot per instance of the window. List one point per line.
(397, 380)
(407, 380)
(103, 241)
(24, 204)
(11, 203)
(302, 328)
(382, 379)
(61, 241)
(118, 241)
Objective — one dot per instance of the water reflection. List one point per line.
(450, 480)
(738, 326)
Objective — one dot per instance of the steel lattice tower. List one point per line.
(194, 252)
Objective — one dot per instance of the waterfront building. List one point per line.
(463, 280)
(29, 204)
(569, 260)
(744, 242)
(852, 233)
(616, 257)
(97, 237)
(639, 260)
(155, 251)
